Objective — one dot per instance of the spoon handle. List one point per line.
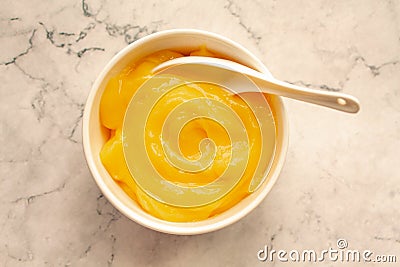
(335, 100)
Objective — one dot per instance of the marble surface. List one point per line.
(341, 178)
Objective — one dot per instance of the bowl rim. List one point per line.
(158, 224)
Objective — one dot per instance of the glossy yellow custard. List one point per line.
(114, 102)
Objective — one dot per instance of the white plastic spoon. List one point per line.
(230, 74)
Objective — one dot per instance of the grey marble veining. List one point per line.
(341, 178)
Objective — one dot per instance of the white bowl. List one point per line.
(95, 135)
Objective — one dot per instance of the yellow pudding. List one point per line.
(114, 103)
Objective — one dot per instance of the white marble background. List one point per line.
(341, 178)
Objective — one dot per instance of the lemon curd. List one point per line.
(114, 103)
